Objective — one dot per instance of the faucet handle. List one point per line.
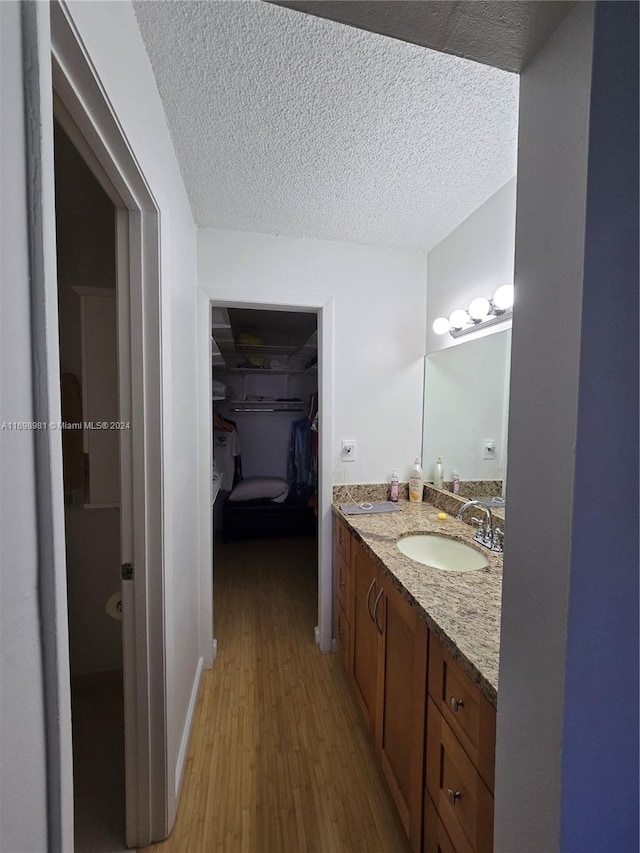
(479, 523)
(498, 539)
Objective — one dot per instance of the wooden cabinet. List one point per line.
(436, 751)
(460, 755)
(400, 706)
(387, 652)
(342, 590)
(436, 839)
(364, 634)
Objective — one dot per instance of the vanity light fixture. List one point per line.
(481, 313)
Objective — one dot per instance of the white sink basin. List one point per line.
(439, 552)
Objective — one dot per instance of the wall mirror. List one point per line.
(466, 404)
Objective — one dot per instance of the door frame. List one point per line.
(322, 305)
(63, 66)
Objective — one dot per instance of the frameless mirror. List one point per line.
(466, 403)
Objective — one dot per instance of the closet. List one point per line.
(265, 404)
(265, 417)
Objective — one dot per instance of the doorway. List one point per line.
(265, 448)
(322, 308)
(80, 106)
(88, 346)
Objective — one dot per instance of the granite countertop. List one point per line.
(461, 608)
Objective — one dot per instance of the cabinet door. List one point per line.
(364, 636)
(99, 333)
(342, 538)
(342, 579)
(342, 634)
(402, 686)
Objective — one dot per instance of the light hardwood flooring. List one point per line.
(279, 760)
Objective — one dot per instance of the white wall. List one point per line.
(111, 36)
(379, 315)
(465, 404)
(473, 260)
(550, 245)
(264, 437)
(23, 793)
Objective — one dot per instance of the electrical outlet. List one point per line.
(348, 451)
(489, 449)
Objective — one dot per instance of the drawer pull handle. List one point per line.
(341, 633)
(456, 704)
(453, 796)
(342, 583)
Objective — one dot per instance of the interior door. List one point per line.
(126, 528)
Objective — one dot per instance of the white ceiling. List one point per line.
(291, 124)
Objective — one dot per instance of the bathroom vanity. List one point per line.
(420, 646)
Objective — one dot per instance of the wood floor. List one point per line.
(279, 760)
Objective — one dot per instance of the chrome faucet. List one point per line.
(490, 536)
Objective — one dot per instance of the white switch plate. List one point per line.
(489, 448)
(348, 451)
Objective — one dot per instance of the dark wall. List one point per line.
(600, 740)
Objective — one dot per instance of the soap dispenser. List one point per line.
(416, 482)
(393, 488)
(437, 474)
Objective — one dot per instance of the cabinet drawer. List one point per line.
(342, 580)
(466, 710)
(342, 539)
(463, 801)
(435, 838)
(343, 634)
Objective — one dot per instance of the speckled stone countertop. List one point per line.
(461, 608)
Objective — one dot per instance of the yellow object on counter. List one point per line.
(442, 516)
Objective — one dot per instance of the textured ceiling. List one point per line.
(505, 35)
(291, 124)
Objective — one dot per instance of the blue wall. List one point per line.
(600, 739)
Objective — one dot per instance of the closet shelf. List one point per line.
(268, 410)
(268, 371)
(267, 405)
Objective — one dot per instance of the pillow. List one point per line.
(260, 488)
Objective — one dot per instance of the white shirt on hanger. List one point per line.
(226, 446)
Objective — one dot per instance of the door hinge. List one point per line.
(126, 571)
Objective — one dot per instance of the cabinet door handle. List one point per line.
(371, 586)
(453, 796)
(341, 583)
(375, 610)
(456, 704)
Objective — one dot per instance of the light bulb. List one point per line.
(503, 297)
(458, 318)
(479, 308)
(440, 326)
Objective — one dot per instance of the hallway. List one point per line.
(279, 758)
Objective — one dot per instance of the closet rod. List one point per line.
(240, 409)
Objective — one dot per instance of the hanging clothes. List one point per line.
(303, 455)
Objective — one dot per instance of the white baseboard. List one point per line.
(214, 651)
(334, 647)
(188, 724)
(316, 633)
